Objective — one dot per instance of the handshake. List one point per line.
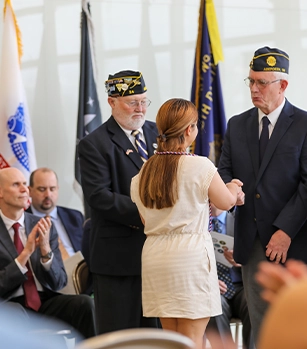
(240, 194)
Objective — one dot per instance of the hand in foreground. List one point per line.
(273, 278)
(278, 247)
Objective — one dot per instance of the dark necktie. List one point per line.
(223, 272)
(264, 137)
(141, 146)
(32, 299)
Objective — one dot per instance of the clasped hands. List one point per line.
(39, 237)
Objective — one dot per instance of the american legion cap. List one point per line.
(125, 83)
(268, 59)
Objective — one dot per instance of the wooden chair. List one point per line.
(138, 338)
(80, 277)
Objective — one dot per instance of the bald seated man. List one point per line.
(31, 266)
(44, 191)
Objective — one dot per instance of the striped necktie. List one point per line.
(141, 146)
(216, 225)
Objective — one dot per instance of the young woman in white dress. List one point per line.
(172, 193)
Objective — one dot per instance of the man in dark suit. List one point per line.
(266, 148)
(109, 157)
(44, 191)
(31, 267)
(233, 301)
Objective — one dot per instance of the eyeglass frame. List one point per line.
(263, 83)
(135, 103)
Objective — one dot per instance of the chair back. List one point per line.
(138, 338)
(80, 277)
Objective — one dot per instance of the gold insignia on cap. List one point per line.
(135, 82)
(123, 87)
(271, 61)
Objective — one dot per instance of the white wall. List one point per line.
(156, 37)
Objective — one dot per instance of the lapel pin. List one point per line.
(128, 151)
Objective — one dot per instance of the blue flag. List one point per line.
(206, 91)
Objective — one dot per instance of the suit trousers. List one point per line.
(118, 303)
(256, 305)
(235, 307)
(77, 311)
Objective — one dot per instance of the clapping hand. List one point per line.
(274, 277)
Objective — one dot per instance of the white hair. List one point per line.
(281, 76)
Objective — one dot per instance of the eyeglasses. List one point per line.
(133, 104)
(261, 84)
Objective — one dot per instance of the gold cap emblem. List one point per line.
(271, 61)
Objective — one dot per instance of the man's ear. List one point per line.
(111, 102)
(284, 84)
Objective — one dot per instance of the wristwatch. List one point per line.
(48, 255)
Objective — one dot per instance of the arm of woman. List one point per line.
(224, 196)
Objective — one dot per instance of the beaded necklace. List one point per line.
(174, 153)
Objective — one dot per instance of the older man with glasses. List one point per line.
(266, 148)
(109, 157)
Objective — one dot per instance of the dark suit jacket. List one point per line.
(10, 275)
(73, 224)
(276, 192)
(108, 161)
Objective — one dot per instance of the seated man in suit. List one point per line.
(31, 267)
(232, 291)
(44, 191)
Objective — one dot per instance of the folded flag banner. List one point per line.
(16, 139)
(206, 91)
(89, 115)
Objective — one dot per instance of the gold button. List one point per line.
(257, 196)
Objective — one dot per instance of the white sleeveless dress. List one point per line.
(179, 277)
